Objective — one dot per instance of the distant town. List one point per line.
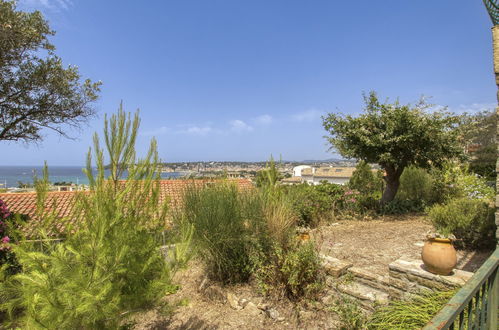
(246, 169)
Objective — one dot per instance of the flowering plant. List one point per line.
(9, 234)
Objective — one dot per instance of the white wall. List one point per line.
(317, 180)
(297, 169)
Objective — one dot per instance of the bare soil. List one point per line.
(201, 305)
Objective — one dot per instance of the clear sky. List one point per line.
(240, 80)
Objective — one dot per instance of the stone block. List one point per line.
(335, 267)
(414, 271)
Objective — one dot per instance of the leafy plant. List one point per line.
(365, 180)
(410, 314)
(471, 221)
(311, 202)
(10, 234)
(36, 90)
(395, 136)
(350, 314)
(295, 271)
(109, 266)
(416, 185)
(218, 214)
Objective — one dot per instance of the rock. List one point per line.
(243, 302)
(263, 306)
(233, 301)
(274, 314)
(328, 299)
(203, 284)
(215, 293)
(251, 309)
(304, 315)
(335, 267)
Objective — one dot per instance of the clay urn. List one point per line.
(304, 236)
(439, 255)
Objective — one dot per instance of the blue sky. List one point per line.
(240, 80)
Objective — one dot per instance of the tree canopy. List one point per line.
(36, 90)
(478, 135)
(395, 136)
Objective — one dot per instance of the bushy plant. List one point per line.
(243, 233)
(350, 314)
(471, 221)
(454, 181)
(410, 314)
(365, 180)
(109, 266)
(10, 234)
(310, 202)
(294, 271)
(416, 185)
(218, 214)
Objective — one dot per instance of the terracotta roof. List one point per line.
(62, 203)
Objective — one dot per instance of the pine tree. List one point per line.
(109, 266)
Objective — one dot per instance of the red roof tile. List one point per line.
(62, 203)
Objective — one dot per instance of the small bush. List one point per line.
(365, 180)
(295, 272)
(470, 220)
(453, 181)
(10, 234)
(409, 314)
(312, 202)
(350, 314)
(416, 185)
(221, 229)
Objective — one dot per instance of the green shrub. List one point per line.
(350, 314)
(416, 185)
(470, 220)
(365, 180)
(301, 268)
(222, 229)
(109, 266)
(10, 234)
(453, 181)
(295, 271)
(409, 314)
(311, 202)
(243, 233)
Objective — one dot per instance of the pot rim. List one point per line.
(440, 240)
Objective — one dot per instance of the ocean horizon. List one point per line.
(11, 176)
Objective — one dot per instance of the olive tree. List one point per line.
(395, 136)
(36, 90)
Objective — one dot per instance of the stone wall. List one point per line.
(495, 41)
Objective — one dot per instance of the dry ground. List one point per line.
(374, 244)
(370, 244)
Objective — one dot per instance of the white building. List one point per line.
(297, 170)
(337, 175)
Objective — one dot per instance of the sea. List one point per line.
(12, 176)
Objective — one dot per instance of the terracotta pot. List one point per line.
(304, 236)
(439, 256)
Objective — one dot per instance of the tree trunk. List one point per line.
(392, 184)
